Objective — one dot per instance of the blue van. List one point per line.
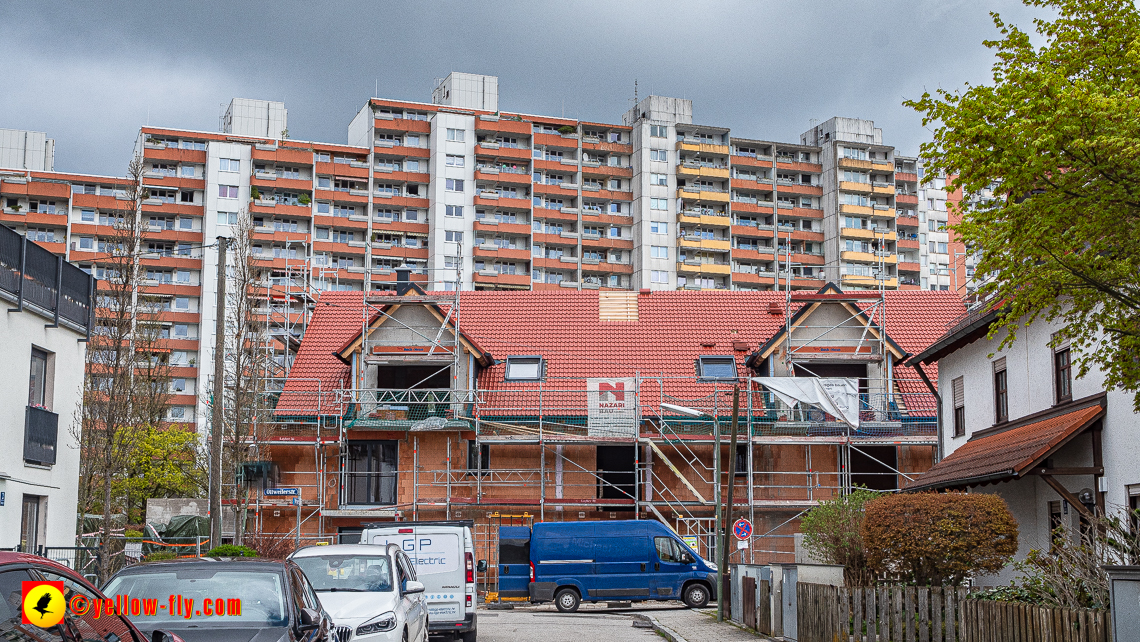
(568, 562)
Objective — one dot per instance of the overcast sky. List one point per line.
(91, 73)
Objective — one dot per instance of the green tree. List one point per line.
(938, 538)
(833, 533)
(165, 462)
(1049, 156)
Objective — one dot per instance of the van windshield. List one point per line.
(361, 573)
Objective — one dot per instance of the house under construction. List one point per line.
(512, 407)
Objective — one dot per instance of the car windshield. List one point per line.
(365, 573)
(204, 597)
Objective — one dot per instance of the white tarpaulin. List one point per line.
(838, 397)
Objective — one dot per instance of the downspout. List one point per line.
(938, 400)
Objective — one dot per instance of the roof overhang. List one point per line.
(968, 330)
(1012, 451)
(345, 352)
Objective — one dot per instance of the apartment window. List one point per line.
(716, 368)
(659, 179)
(86, 243)
(659, 131)
(227, 191)
(87, 216)
(658, 227)
(958, 387)
(1001, 392)
(615, 184)
(178, 385)
(37, 381)
(530, 368)
(181, 330)
(324, 208)
(452, 236)
(453, 184)
(455, 135)
(182, 303)
(615, 232)
(659, 155)
(658, 252)
(1062, 374)
(370, 472)
(188, 171)
(478, 458)
(229, 165)
(658, 276)
(453, 160)
(658, 203)
(177, 412)
(227, 218)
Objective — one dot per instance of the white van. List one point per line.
(444, 556)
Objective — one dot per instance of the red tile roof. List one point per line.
(1007, 454)
(316, 371)
(673, 329)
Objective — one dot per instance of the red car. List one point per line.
(16, 568)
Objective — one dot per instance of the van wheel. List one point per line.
(696, 596)
(567, 600)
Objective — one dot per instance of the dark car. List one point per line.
(16, 568)
(226, 600)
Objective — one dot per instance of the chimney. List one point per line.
(775, 309)
(403, 279)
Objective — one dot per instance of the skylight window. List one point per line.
(524, 369)
(716, 368)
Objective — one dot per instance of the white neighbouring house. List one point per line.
(43, 333)
(1019, 424)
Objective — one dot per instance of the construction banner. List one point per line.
(612, 407)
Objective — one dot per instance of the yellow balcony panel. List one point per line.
(716, 221)
(884, 190)
(708, 244)
(882, 167)
(860, 233)
(885, 214)
(852, 186)
(851, 163)
(688, 172)
(868, 257)
(715, 268)
(689, 218)
(685, 268)
(682, 146)
(868, 281)
(714, 172)
(861, 210)
(702, 148)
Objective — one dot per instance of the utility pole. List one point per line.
(217, 402)
(722, 567)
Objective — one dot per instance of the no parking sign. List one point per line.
(742, 529)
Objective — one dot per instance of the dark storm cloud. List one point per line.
(90, 74)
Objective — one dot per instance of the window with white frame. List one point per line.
(454, 160)
(453, 210)
(658, 227)
(658, 252)
(524, 368)
(229, 165)
(659, 204)
(658, 276)
(227, 218)
(453, 236)
(227, 191)
(455, 135)
(659, 131)
(659, 155)
(659, 179)
(453, 184)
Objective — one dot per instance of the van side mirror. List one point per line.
(686, 558)
(482, 566)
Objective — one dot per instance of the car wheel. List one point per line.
(696, 596)
(468, 636)
(567, 600)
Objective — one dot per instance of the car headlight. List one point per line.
(711, 565)
(379, 624)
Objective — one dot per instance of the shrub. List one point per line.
(566, 129)
(158, 556)
(254, 193)
(833, 533)
(304, 199)
(229, 550)
(938, 538)
(132, 534)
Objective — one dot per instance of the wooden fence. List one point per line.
(910, 614)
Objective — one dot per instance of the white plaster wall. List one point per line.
(439, 198)
(59, 483)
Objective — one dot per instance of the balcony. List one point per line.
(723, 245)
(703, 193)
(701, 170)
(882, 167)
(853, 163)
(695, 145)
(889, 258)
(853, 186)
(693, 266)
(866, 233)
(859, 210)
(41, 428)
(699, 217)
(58, 290)
(868, 281)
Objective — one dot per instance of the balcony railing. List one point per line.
(32, 274)
(41, 428)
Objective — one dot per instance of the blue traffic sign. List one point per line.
(742, 529)
(282, 492)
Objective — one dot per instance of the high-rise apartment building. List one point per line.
(472, 197)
